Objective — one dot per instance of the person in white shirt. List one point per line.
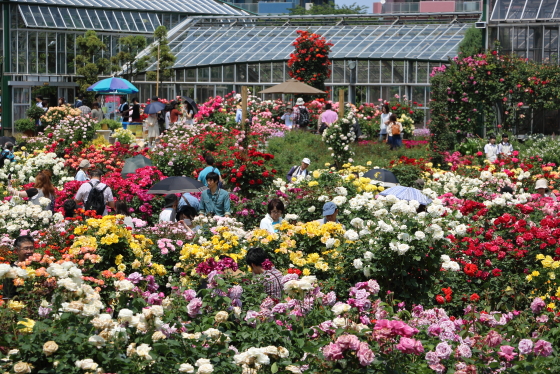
(298, 172)
(491, 149)
(274, 217)
(82, 174)
(83, 193)
(168, 214)
(385, 115)
(505, 149)
(288, 117)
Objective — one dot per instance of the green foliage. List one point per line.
(329, 8)
(126, 61)
(34, 112)
(25, 124)
(88, 61)
(161, 53)
(472, 43)
(407, 174)
(111, 124)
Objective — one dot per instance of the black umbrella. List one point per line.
(134, 163)
(191, 101)
(177, 185)
(382, 175)
(153, 108)
(5, 139)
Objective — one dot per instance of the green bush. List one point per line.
(25, 124)
(111, 124)
(34, 112)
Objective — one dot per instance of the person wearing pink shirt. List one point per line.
(327, 118)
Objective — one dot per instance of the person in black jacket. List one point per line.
(124, 109)
(298, 171)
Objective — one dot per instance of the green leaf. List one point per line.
(274, 368)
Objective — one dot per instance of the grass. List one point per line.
(295, 145)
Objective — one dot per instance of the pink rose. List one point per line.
(332, 352)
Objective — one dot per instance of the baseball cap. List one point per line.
(329, 208)
(306, 161)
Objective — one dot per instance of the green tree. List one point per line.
(472, 43)
(89, 61)
(329, 8)
(309, 63)
(125, 61)
(161, 53)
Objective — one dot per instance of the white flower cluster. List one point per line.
(27, 171)
(17, 215)
(88, 365)
(149, 316)
(298, 286)
(254, 358)
(340, 308)
(7, 271)
(448, 264)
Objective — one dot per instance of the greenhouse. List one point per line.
(375, 57)
(39, 40)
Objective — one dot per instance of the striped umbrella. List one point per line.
(113, 85)
(407, 193)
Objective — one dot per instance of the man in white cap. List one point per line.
(298, 172)
(82, 174)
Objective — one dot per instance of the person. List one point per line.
(85, 109)
(188, 200)
(39, 101)
(288, 117)
(69, 207)
(174, 113)
(168, 213)
(97, 99)
(385, 115)
(238, 114)
(85, 189)
(542, 189)
(209, 169)
(185, 217)
(267, 274)
(330, 212)
(96, 113)
(61, 101)
(123, 109)
(153, 128)
(24, 246)
(135, 116)
(274, 217)
(301, 114)
(214, 201)
(505, 149)
(327, 118)
(82, 174)
(122, 208)
(298, 172)
(43, 187)
(8, 152)
(79, 102)
(188, 113)
(491, 149)
(395, 129)
(167, 118)
(45, 105)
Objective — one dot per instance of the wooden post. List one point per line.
(340, 104)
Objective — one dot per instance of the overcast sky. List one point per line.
(368, 3)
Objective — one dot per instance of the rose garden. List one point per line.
(467, 286)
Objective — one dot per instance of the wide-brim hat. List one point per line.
(84, 164)
(541, 183)
(300, 101)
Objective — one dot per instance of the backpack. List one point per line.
(96, 200)
(395, 129)
(303, 118)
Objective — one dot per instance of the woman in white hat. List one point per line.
(542, 189)
(82, 174)
(301, 114)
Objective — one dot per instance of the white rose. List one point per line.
(97, 341)
(186, 368)
(368, 256)
(419, 235)
(22, 367)
(205, 369)
(143, 351)
(86, 364)
(311, 209)
(157, 310)
(358, 264)
(221, 317)
(202, 361)
(50, 347)
(340, 308)
(124, 285)
(125, 315)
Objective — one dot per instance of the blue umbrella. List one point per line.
(113, 85)
(153, 108)
(407, 193)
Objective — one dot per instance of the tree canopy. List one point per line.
(329, 8)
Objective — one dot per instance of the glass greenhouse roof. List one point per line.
(525, 10)
(196, 46)
(181, 6)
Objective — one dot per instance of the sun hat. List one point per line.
(170, 199)
(306, 161)
(541, 183)
(329, 208)
(84, 164)
(300, 101)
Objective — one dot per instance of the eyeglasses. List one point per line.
(26, 248)
(275, 212)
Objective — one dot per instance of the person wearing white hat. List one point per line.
(298, 172)
(542, 189)
(301, 114)
(82, 174)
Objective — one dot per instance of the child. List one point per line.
(288, 117)
(505, 148)
(491, 149)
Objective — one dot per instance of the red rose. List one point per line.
(471, 269)
(259, 181)
(50, 135)
(251, 182)
(474, 297)
(440, 299)
(448, 298)
(496, 272)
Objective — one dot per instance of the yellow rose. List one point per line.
(221, 317)
(316, 174)
(16, 306)
(22, 367)
(381, 188)
(50, 347)
(306, 272)
(28, 325)
(535, 273)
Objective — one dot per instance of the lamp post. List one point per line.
(352, 82)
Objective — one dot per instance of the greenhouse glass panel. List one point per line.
(112, 19)
(105, 24)
(59, 22)
(203, 74)
(85, 18)
(216, 73)
(422, 72)
(190, 75)
(516, 9)
(95, 19)
(386, 72)
(374, 72)
(362, 69)
(501, 9)
(531, 9)
(76, 18)
(37, 14)
(27, 15)
(277, 72)
(338, 71)
(265, 74)
(547, 9)
(138, 20)
(121, 21)
(253, 72)
(229, 73)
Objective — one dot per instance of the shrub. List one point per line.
(25, 124)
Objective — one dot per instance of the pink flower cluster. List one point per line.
(348, 342)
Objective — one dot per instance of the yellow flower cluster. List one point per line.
(548, 262)
(363, 184)
(545, 284)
